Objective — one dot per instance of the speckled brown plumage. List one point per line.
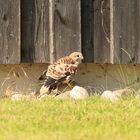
(62, 70)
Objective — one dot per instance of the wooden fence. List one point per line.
(40, 31)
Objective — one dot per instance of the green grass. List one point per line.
(70, 120)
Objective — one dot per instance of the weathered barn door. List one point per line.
(9, 31)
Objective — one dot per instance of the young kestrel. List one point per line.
(61, 71)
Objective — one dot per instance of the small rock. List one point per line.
(65, 95)
(79, 93)
(109, 95)
(124, 92)
(45, 96)
(17, 97)
(115, 95)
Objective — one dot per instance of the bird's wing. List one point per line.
(56, 71)
(58, 68)
(59, 72)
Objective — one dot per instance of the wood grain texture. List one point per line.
(101, 32)
(27, 30)
(125, 31)
(87, 28)
(35, 22)
(42, 31)
(67, 27)
(9, 31)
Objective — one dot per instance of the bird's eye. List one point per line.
(78, 55)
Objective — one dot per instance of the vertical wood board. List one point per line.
(41, 41)
(9, 31)
(87, 30)
(35, 22)
(67, 27)
(125, 31)
(27, 30)
(101, 37)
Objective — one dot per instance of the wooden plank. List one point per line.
(9, 31)
(125, 31)
(27, 30)
(42, 31)
(87, 30)
(35, 47)
(67, 27)
(101, 32)
(137, 50)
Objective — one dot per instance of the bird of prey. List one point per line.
(61, 71)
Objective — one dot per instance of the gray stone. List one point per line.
(117, 94)
(124, 92)
(79, 93)
(109, 95)
(43, 97)
(17, 97)
(65, 95)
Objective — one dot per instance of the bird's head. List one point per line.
(77, 56)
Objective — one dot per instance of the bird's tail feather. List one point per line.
(52, 82)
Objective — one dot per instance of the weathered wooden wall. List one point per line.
(106, 31)
(125, 31)
(95, 15)
(87, 27)
(9, 31)
(101, 31)
(34, 31)
(50, 29)
(67, 27)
